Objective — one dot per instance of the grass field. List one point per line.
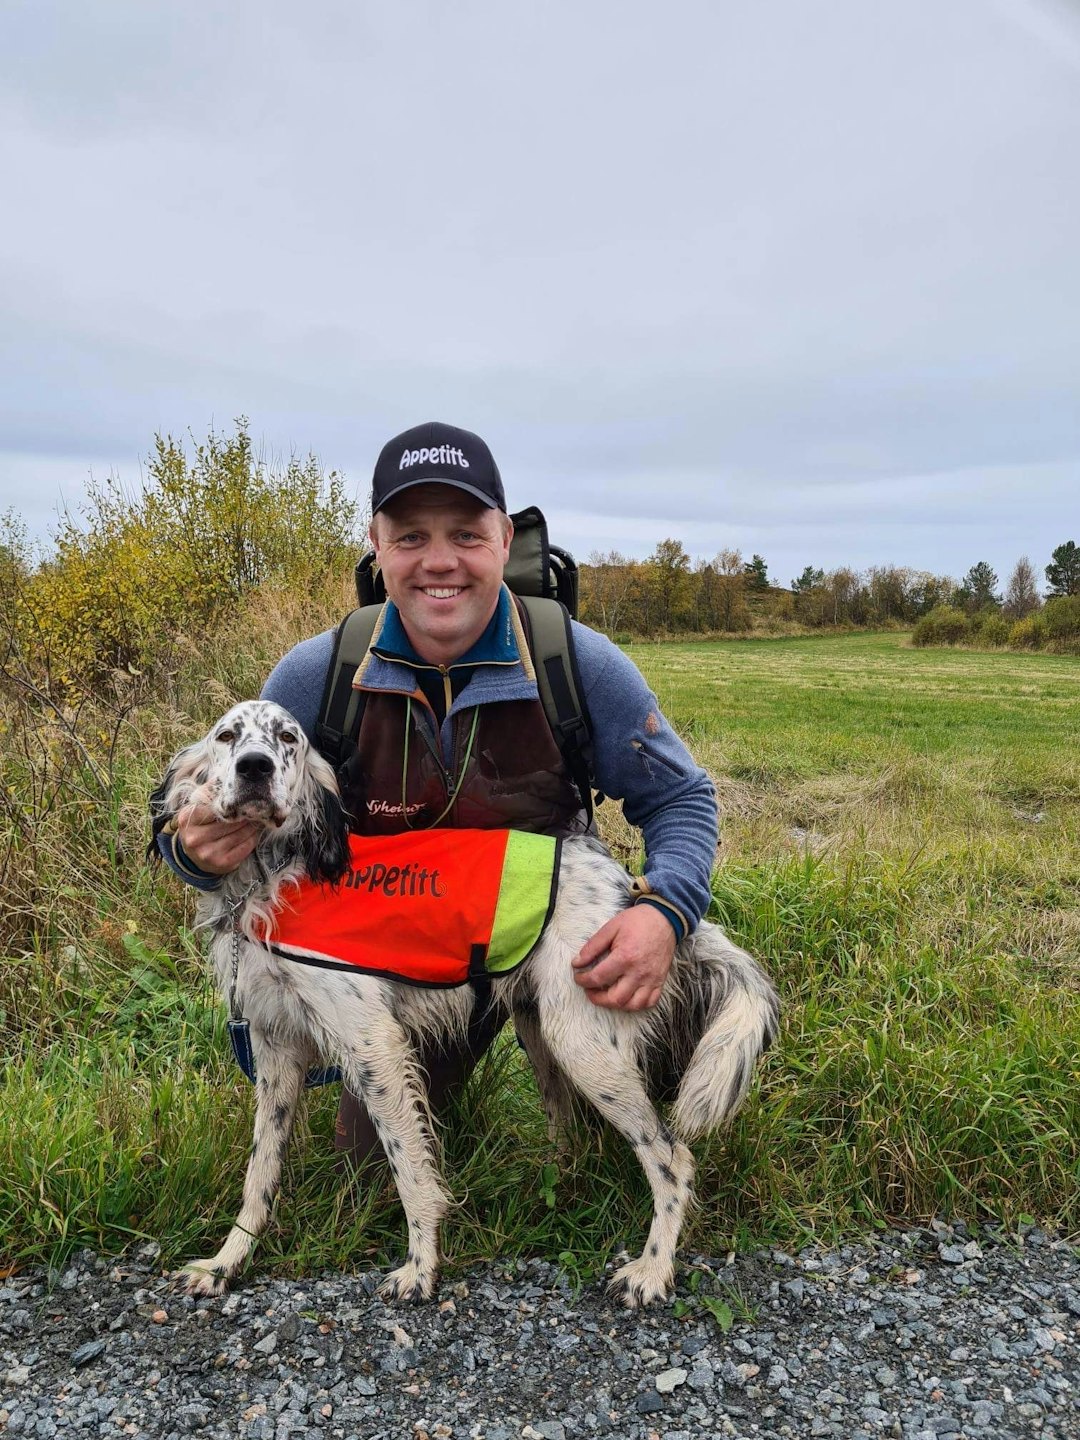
(790, 710)
(901, 845)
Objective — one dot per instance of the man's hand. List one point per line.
(216, 846)
(625, 964)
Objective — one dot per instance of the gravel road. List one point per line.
(925, 1335)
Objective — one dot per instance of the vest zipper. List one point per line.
(431, 740)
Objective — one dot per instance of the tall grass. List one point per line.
(900, 847)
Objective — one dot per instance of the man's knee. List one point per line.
(355, 1138)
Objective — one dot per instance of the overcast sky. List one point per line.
(801, 279)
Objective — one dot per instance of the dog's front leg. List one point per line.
(281, 1071)
(382, 1071)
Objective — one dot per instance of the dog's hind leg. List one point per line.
(596, 1051)
(381, 1069)
(281, 1071)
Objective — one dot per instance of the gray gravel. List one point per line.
(925, 1335)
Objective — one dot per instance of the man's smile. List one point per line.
(442, 592)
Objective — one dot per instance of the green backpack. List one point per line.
(545, 580)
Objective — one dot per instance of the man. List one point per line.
(454, 733)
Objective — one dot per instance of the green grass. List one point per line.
(901, 847)
(795, 708)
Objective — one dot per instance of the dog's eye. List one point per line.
(287, 737)
(226, 736)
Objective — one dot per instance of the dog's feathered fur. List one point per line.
(718, 1011)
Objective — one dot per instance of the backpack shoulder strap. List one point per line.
(559, 684)
(342, 707)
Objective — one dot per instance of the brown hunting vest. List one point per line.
(512, 776)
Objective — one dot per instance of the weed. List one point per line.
(549, 1175)
(724, 1302)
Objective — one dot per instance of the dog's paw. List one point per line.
(409, 1285)
(204, 1277)
(642, 1282)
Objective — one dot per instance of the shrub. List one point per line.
(992, 630)
(943, 626)
(203, 532)
(1062, 616)
(779, 605)
(1029, 633)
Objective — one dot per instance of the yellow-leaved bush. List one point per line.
(206, 528)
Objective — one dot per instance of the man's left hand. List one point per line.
(625, 964)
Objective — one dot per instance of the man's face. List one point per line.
(442, 556)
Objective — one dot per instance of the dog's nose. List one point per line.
(254, 766)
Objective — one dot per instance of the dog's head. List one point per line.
(256, 764)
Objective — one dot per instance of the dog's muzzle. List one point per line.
(251, 796)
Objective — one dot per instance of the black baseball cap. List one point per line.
(437, 452)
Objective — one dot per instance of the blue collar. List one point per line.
(496, 646)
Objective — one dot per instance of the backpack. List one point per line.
(545, 580)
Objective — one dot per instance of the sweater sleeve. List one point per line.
(298, 679)
(639, 759)
(174, 855)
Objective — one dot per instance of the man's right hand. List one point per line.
(214, 845)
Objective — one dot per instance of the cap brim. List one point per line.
(436, 480)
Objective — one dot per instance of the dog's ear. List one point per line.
(184, 776)
(324, 837)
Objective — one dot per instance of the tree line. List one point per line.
(669, 592)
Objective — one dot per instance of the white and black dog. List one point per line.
(717, 1014)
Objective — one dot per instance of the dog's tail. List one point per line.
(741, 1015)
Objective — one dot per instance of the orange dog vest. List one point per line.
(431, 907)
